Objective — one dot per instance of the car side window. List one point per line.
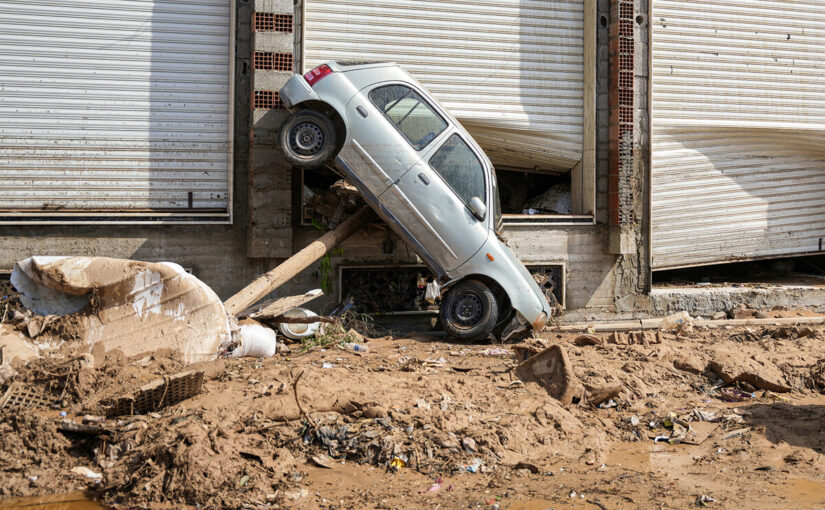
(457, 164)
(404, 107)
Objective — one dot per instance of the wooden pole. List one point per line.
(270, 281)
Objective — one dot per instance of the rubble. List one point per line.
(446, 421)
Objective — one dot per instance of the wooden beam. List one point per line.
(270, 281)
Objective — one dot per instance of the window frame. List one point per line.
(447, 123)
(484, 170)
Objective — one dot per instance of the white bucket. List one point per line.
(298, 331)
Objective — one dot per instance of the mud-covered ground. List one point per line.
(422, 422)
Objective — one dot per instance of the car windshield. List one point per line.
(458, 165)
(407, 110)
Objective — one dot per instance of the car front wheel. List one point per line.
(469, 311)
(308, 139)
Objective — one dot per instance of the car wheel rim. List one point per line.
(307, 139)
(468, 310)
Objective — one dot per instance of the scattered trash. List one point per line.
(327, 364)
(298, 331)
(703, 500)
(18, 396)
(582, 340)
(528, 466)
(496, 351)
(675, 321)
(397, 463)
(88, 473)
(734, 395)
(352, 346)
(322, 460)
(704, 415)
(633, 420)
(159, 393)
(606, 405)
(433, 292)
(435, 487)
(551, 369)
(735, 433)
(469, 445)
(254, 340)
(473, 467)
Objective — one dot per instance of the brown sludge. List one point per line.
(254, 437)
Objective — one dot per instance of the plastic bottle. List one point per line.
(352, 346)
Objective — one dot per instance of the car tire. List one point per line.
(469, 311)
(308, 139)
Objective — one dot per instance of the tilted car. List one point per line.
(426, 177)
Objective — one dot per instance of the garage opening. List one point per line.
(789, 271)
(519, 76)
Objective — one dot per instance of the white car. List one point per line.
(426, 177)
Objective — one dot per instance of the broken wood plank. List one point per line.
(278, 306)
(270, 281)
(302, 320)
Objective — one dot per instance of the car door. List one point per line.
(390, 124)
(432, 199)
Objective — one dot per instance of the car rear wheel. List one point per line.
(469, 311)
(308, 139)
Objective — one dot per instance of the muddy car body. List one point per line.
(426, 177)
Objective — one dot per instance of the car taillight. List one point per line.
(316, 74)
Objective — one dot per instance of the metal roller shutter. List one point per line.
(115, 106)
(510, 70)
(738, 119)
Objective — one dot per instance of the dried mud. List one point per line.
(379, 430)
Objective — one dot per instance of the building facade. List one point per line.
(149, 130)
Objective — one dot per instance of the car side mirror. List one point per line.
(478, 208)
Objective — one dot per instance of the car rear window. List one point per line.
(410, 113)
(458, 165)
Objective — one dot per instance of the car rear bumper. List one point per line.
(297, 91)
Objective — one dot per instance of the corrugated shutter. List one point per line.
(738, 120)
(115, 105)
(510, 70)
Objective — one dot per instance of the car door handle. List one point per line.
(361, 111)
(424, 178)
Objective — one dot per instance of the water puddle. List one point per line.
(805, 493)
(72, 501)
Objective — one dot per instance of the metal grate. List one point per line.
(266, 61)
(382, 290)
(160, 393)
(550, 279)
(18, 395)
(270, 22)
(267, 100)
